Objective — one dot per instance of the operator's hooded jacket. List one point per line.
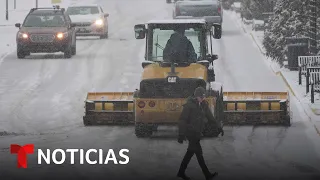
(193, 118)
(179, 49)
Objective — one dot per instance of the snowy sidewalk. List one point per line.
(16, 15)
(290, 77)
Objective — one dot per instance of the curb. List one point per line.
(288, 85)
(255, 41)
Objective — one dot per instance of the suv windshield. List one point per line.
(42, 20)
(160, 38)
(85, 10)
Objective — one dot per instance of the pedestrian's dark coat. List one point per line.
(194, 117)
(180, 49)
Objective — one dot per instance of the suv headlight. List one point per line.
(62, 35)
(23, 35)
(98, 22)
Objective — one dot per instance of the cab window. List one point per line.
(161, 37)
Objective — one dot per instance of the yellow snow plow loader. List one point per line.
(165, 87)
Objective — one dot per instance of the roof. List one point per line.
(84, 5)
(177, 21)
(198, 2)
(46, 11)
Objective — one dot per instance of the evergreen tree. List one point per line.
(290, 19)
(318, 26)
(258, 7)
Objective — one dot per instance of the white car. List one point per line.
(90, 20)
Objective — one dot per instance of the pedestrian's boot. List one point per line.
(210, 176)
(183, 176)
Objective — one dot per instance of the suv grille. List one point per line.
(42, 37)
(83, 24)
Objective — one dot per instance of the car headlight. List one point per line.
(99, 22)
(23, 35)
(62, 35)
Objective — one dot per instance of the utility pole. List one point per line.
(15, 4)
(313, 26)
(36, 3)
(7, 10)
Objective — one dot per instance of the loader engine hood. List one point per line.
(156, 71)
(158, 82)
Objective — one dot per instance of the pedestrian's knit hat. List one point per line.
(200, 92)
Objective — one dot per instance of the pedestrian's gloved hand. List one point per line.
(181, 138)
(221, 131)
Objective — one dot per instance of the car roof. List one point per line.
(177, 21)
(84, 5)
(47, 11)
(213, 2)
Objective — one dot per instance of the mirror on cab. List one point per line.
(217, 31)
(212, 57)
(18, 25)
(140, 31)
(106, 15)
(72, 25)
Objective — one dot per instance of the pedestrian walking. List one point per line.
(191, 125)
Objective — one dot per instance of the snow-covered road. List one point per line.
(42, 99)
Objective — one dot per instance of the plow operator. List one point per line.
(179, 48)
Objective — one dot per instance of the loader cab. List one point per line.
(158, 32)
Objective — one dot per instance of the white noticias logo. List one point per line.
(84, 156)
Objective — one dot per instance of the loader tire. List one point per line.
(210, 130)
(143, 130)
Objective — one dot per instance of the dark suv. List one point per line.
(46, 30)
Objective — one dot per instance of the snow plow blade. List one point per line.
(256, 108)
(109, 108)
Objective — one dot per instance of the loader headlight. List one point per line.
(62, 35)
(99, 22)
(23, 35)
